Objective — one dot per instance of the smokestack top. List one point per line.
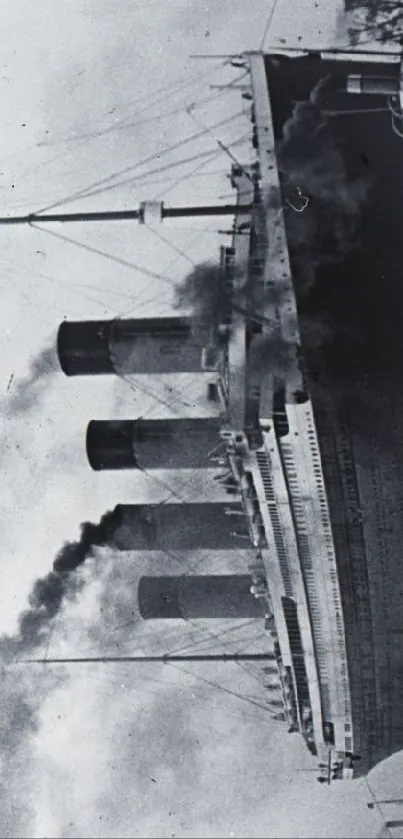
(171, 443)
(132, 345)
(84, 347)
(109, 444)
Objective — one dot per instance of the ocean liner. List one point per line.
(305, 363)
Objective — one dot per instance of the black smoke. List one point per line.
(270, 352)
(312, 167)
(322, 211)
(24, 690)
(62, 584)
(203, 293)
(200, 292)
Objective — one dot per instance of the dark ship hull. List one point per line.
(351, 321)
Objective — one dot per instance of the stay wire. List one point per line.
(378, 807)
(128, 122)
(268, 24)
(218, 687)
(91, 249)
(243, 666)
(133, 179)
(98, 186)
(149, 301)
(207, 640)
(220, 144)
(144, 175)
(187, 175)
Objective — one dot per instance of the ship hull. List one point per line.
(351, 322)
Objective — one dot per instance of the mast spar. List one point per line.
(165, 658)
(128, 215)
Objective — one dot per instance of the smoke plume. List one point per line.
(25, 394)
(311, 165)
(271, 352)
(202, 292)
(25, 692)
(61, 584)
(322, 215)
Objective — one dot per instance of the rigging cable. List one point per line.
(221, 145)
(161, 94)
(378, 807)
(167, 267)
(243, 666)
(17, 269)
(123, 125)
(98, 186)
(222, 688)
(187, 175)
(268, 24)
(144, 175)
(197, 644)
(91, 249)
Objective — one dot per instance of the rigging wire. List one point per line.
(167, 267)
(118, 126)
(171, 244)
(137, 385)
(123, 125)
(171, 554)
(188, 175)
(98, 186)
(91, 249)
(130, 181)
(268, 24)
(158, 181)
(197, 644)
(144, 176)
(119, 260)
(161, 94)
(241, 664)
(222, 688)
(221, 145)
(16, 269)
(158, 636)
(378, 806)
(83, 139)
(93, 676)
(173, 492)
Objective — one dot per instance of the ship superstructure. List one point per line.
(299, 425)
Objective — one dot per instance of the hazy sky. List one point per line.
(88, 90)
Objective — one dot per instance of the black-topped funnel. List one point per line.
(177, 443)
(131, 346)
(83, 348)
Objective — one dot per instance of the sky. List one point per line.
(88, 90)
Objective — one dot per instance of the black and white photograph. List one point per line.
(201, 407)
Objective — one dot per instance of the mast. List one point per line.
(146, 659)
(128, 215)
